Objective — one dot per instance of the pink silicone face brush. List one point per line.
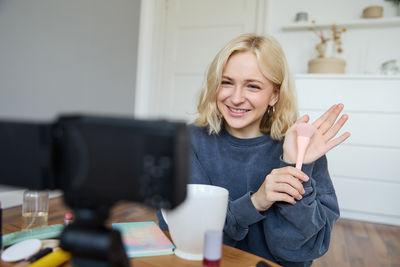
(304, 133)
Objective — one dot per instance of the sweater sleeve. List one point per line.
(240, 215)
(302, 231)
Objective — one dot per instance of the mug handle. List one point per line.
(164, 215)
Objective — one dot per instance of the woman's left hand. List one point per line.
(323, 139)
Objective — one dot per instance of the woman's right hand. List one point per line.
(283, 184)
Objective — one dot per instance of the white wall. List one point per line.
(67, 56)
(365, 49)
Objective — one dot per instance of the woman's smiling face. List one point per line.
(244, 95)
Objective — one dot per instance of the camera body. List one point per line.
(97, 161)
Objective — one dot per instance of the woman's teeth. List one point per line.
(238, 110)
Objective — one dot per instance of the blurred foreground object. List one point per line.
(97, 161)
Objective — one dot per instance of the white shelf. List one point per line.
(360, 23)
(317, 76)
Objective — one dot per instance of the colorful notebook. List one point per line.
(143, 239)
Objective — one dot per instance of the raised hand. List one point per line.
(285, 184)
(324, 138)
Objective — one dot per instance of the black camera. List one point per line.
(97, 161)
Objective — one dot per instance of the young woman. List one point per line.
(245, 141)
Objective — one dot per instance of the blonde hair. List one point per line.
(272, 64)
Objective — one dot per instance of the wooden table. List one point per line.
(128, 212)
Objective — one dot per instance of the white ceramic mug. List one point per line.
(203, 209)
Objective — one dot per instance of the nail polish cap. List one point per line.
(68, 216)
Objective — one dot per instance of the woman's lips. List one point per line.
(237, 112)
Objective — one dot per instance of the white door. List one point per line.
(195, 31)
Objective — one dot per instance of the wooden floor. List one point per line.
(355, 243)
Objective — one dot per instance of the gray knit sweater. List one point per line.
(291, 235)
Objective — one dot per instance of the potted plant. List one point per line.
(329, 46)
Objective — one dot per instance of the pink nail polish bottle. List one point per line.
(67, 218)
(212, 248)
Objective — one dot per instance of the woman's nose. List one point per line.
(237, 95)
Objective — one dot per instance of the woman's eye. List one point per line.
(226, 83)
(253, 86)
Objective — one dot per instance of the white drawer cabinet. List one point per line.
(366, 168)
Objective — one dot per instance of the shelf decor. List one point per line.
(330, 44)
(372, 12)
(349, 24)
